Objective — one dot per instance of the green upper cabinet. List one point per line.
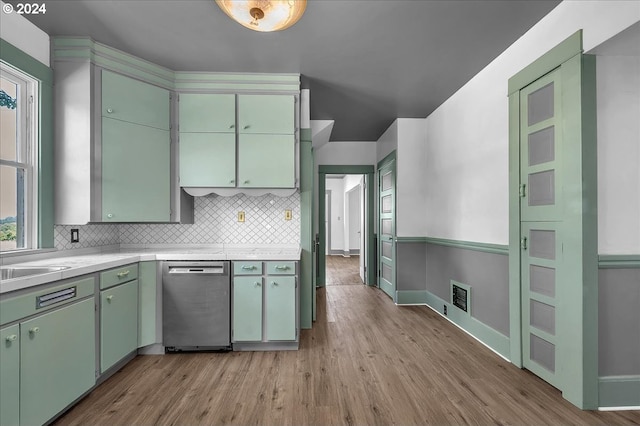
(130, 100)
(266, 161)
(136, 168)
(267, 114)
(208, 159)
(207, 112)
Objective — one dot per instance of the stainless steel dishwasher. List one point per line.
(196, 305)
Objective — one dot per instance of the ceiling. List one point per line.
(365, 62)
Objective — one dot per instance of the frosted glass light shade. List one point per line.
(264, 15)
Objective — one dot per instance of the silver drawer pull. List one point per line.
(282, 268)
(248, 268)
(55, 297)
(123, 274)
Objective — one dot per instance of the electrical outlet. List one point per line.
(287, 215)
(445, 309)
(241, 216)
(75, 235)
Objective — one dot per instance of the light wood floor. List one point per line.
(343, 270)
(365, 362)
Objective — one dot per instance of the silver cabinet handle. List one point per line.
(247, 126)
(109, 110)
(248, 267)
(246, 181)
(110, 298)
(232, 181)
(258, 284)
(273, 283)
(282, 267)
(110, 215)
(34, 330)
(11, 338)
(122, 274)
(232, 126)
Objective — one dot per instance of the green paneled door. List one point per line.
(57, 360)
(281, 308)
(386, 229)
(208, 159)
(133, 101)
(268, 114)
(135, 173)
(266, 161)
(541, 218)
(207, 112)
(10, 376)
(247, 309)
(118, 320)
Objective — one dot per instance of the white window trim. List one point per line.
(28, 156)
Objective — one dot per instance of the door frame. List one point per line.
(577, 321)
(369, 172)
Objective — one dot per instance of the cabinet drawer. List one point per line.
(281, 268)
(119, 275)
(42, 300)
(247, 268)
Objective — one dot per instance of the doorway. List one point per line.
(345, 221)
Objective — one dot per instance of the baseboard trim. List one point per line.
(619, 392)
(486, 335)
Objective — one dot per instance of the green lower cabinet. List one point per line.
(247, 309)
(118, 323)
(147, 291)
(57, 360)
(280, 308)
(10, 375)
(208, 159)
(266, 161)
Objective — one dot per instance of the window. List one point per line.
(18, 159)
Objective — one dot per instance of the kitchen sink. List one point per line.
(10, 272)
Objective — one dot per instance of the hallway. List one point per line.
(343, 270)
(366, 361)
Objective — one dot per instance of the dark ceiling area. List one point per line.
(365, 62)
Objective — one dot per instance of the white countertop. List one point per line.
(92, 262)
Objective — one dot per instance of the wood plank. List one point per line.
(375, 363)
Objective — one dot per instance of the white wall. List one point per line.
(353, 211)
(388, 142)
(618, 93)
(336, 186)
(467, 136)
(411, 191)
(21, 33)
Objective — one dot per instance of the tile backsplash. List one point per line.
(215, 222)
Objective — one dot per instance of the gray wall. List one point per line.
(486, 273)
(411, 269)
(619, 322)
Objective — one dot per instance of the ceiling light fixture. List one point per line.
(264, 15)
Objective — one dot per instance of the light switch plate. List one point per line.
(287, 215)
(240, 216)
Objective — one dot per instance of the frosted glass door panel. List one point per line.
(542, 146)
(541, 104)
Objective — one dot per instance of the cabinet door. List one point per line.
(247, 309)
(274, 114)
(266, 161)
(208, 159)
(281, 308)
(10, 376)
(135, 173)
(133, 101)
(57, 360)
(147, 302)
(207, 112)
(118, 323)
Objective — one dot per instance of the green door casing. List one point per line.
(386, 228)
(553, 244)
(57, 360)
(118, 314)
(10, 376)
(541, 212)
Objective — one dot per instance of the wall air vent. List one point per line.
(461, 296)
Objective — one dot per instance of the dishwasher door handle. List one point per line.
(196, 270)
